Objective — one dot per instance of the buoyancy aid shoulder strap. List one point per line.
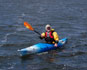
(45, 34)
(51, 34)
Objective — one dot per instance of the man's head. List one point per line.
(48, 28)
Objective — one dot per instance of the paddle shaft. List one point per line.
(37, 32)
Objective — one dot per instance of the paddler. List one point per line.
(50, 35)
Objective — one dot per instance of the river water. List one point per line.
(67, 17)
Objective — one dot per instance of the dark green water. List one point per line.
(67, 17)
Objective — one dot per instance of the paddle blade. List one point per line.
(27, 25)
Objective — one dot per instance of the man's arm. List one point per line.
(56, 38)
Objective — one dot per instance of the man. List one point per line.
(50, 35)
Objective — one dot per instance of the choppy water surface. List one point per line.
(68, 17)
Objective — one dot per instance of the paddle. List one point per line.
(27, 25)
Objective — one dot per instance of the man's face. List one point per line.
(48, 29)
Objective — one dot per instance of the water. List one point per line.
(68, 17)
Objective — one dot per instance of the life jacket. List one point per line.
(50, 34)
(49, 37)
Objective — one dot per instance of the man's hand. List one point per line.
(42, 36)
(55, 44)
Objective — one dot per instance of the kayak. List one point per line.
(41, 47)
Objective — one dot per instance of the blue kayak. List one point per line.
(41, 47)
